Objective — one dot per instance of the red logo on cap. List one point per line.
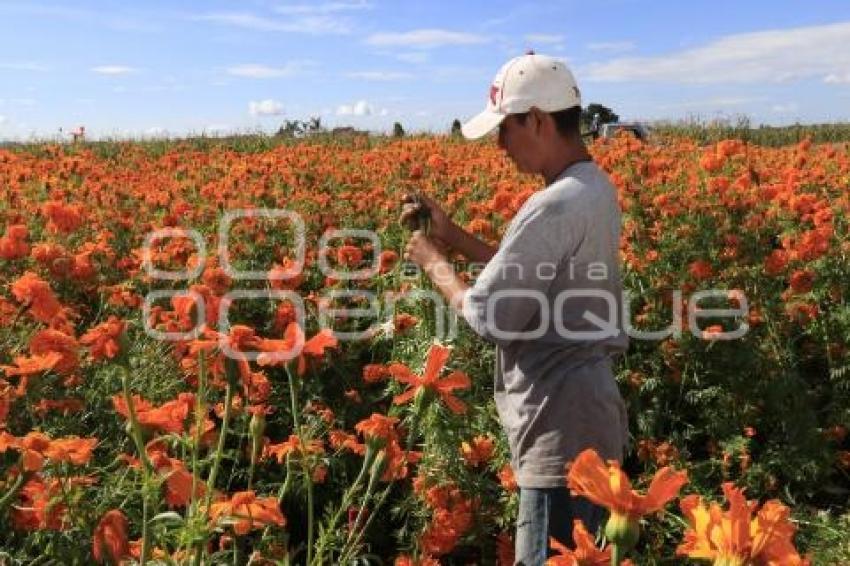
(494, 92)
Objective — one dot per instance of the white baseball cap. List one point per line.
(525, 81)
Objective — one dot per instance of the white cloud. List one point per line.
(544, 38)
(384, 112)
(425, 38)
(3, 120)
(380, 75)
(611, 46)
(714, 103)
(267, 107)
(113, 70)
(156, 132)
(359, 108)
(27, 66)
(765, 56)
(837, 78)
(256, 71)
(311, 24)
(23, 101)
(97, 17)
(413, 57)
(326, 8)
(784, 108)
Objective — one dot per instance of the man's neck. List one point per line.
(563, 157)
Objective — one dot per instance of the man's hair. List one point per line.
(567, 121)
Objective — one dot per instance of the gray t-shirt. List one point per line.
(551, 301)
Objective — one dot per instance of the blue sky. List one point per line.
(155, 68)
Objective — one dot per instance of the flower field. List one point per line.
(188, 379)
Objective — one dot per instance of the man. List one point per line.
(549, 298)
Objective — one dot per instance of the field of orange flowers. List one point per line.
(147, 414)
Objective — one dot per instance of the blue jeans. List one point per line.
(550, 512)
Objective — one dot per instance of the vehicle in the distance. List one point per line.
(611, 129)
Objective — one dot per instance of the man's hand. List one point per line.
(421, 251)
(441, 227)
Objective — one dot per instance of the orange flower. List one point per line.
(168, 417)
(776, 262)
(477, 452)
(585, 554)
(34, 292)
(13, 244)
(277, 352)
(802, 281)
(373, 373)
(430, 380)
(71, 449)
(452, 517)
(109, 542)
(35, 447)
(315, 347)
(103, 339)
(50, 340)
(25, 367)
(588, 476)
(62, 217)
(378, 428)
(40, 505)
(249, 511)
(609, 486)
(700, 270)
(735, 537)
(403, 322)
(285, 276)
(32, 448)
(178, 479)
(339, 439)
(507, 478)
(349, 256)
(386, 261)
(294, 444)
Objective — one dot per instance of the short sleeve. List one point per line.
(511, 291)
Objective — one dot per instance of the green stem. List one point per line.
(136, 430)
(196, 445)
(375, 474)
(284, 488)
(305, 465)
(617, 554)
(228, 402)
(253, 465)
(368, 459)
(13, 491)
(420, 404)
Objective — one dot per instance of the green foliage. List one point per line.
(606, 115)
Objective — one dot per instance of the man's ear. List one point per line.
(539, 119)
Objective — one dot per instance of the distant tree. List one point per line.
(313, 125)
(456, 128)
(606, 115)
(398, 130)
(291, 129)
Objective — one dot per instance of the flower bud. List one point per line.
(257, 426)
(623, 531)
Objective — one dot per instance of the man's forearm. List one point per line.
(452, 287)
(470, 246)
